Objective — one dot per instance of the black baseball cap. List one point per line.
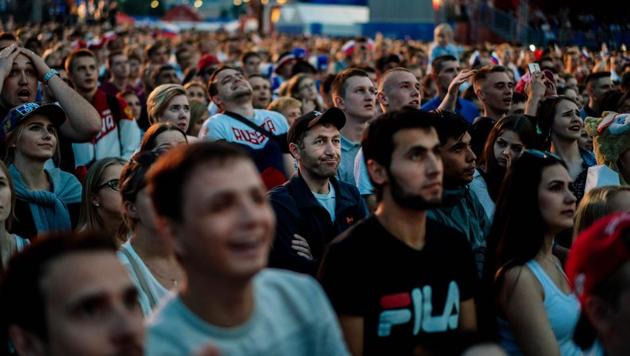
(307, 121)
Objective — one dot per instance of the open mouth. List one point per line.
(576, 127)
(507, 101)
(414, 103)
(24, 94)
(369, 107)
(246, 248)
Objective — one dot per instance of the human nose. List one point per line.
(433, 165)
(570, 198)
(22, 78)
(126, 328)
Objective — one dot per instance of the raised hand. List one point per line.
(7, 56)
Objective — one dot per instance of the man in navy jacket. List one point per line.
(313, 206)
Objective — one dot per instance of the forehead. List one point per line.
(407, 138)
(179, 99)
(22, 61)
(400, 76)
(564, 105)
(449, 65)
(232, 176)
(497, 77)
(510, 136)
(119, 58)
(357, 82)
(81, 273)
(170, 136)
(603, 81)
(84, 60)
(252, 59)
(325, 129)
(555, 172)
(225, 73)
(36, 118)
(258, 81)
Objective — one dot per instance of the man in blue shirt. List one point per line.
(211, 208)
(445, 69)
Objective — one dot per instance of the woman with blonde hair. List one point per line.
(9, 243)
(47, 199)
(289, 107)
(599, 202)
(169, 103)
(197, 92)
(101, 207)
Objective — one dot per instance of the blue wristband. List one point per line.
(51, 73)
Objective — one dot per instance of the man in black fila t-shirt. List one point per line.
(401, 283)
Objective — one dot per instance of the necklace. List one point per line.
(173, 282)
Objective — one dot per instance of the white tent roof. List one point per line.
(324, 14)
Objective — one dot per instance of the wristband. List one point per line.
(51, 73)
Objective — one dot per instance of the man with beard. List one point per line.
(69, 295)
(261, 132)
(313, 206)
(460, 208)
(401, 283)
(494, 88)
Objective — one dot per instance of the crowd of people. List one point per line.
(225, 194)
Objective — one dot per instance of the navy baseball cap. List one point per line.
(307, 121)
(16, 115)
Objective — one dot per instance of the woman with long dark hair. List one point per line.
(536, 312)
(561, 127)
(507, 140)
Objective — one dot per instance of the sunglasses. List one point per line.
(112, 184)
(542, 154)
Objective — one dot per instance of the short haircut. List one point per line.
(383, 79)
(284, 102)
(168, 177)
(483, 73)
(450, 125)
(326, 85)
(112, 54)
(382, 62)
(339, 84)
(77, 53)
(213, 88)
(438, 63)
(150, 136)
(378, 139)
(21, 295)
(152, 48)
(158, 71)
(596, 76)
(248, 55)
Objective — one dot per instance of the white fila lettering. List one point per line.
(421, 303)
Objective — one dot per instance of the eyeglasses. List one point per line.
(112, 184)
(542, 154)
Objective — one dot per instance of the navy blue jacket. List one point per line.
(298, 212)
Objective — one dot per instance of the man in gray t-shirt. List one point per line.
(211, 208)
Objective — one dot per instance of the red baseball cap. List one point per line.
(598, 252)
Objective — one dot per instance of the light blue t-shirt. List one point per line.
(224, 127)
(361, 175)
(327, 201)
(349, 150)
(292, 316)
(150, 291)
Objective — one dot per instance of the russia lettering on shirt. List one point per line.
(223, 127)
(108, 124)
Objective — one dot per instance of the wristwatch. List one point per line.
(51, 73)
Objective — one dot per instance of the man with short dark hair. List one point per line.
(261, 91)
(597, 84)
(211, 208)
(460, 209)
(444, 71)
(261, 132)
(313, 206)
(251, 63)
(118, 68)
(69, 295)
(494, 88)
(165, 74)
(353, 92)
(399, 282)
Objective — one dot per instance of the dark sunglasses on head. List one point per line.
(112, 184)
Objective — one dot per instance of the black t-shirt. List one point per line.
(407, 297)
